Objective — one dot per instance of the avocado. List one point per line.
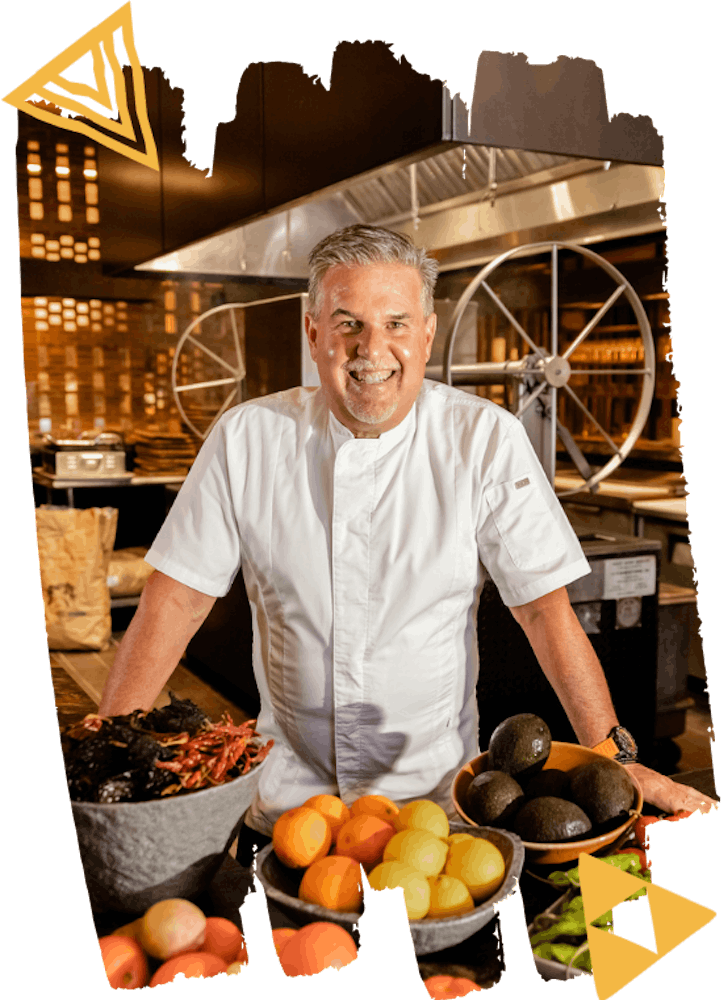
(493, 798)
(550, 781)
(602, 789)
(519, 746)
(548, 819)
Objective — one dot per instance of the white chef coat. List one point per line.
(362, 564)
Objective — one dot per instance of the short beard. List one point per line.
(365, 417)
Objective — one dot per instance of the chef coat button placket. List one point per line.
(350, 554)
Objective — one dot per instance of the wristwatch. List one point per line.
(619, 745)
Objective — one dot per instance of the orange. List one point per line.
(449, 987)
(281, 935)
(222, 938)
(364, 838)
(301, 836)
(334, 882)
(191, 964)
(234, 968)
(332, 808)
(375, 805)
(131, 930)
(170, 927)
(318, 946)
(124, 961)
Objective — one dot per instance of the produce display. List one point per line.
(319, 945)
(172, 937)
(449, 987)
(559, 934)
(148, 755)
(551, 805)
(442, 875)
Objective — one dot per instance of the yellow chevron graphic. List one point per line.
(98, 42)
(614, 960)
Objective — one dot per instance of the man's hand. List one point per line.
(571, 665)
(668, 795)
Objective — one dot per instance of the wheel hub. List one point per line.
(557, 371)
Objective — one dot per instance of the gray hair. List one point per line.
(361, 244)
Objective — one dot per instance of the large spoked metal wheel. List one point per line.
(548, 370)
(208, 371)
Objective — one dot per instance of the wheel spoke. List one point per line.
(512, 320)
(206, 385)
(237, 343)
(610, 371)
(579, 402)
(593, 322)
(554, 299)
(203, 347)
(224, 406)
(569, 443)
(529, 399)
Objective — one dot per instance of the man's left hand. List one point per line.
(668, 795)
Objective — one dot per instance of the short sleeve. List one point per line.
(199, 543)
(525, 540)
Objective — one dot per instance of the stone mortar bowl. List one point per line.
(137, 853)
(564, 757)
(281, 885)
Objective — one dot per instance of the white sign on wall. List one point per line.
(633, 576)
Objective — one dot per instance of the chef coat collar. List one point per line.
(378, 446)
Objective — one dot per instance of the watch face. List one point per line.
(625, 742)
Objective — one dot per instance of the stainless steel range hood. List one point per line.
(466, 205)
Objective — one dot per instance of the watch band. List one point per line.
(619, 745)
(607, 748)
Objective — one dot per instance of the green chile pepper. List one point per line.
(625, 862)
(570, 923)
(564, 953)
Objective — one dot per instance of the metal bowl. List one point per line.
(281, 885)
(564, 757)
(137, 853)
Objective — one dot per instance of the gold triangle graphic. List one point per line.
(52, 73)
(603, 886)
(675, 918)
(614, 960)
(100, 93)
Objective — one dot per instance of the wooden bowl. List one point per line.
(281, 885)
(564, 757)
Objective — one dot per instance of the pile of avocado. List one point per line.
(545, 806)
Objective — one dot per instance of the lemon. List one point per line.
(449, 897)
(391, 874)
(421, 850)
(455, 837)
(477, 863)
(423, 814)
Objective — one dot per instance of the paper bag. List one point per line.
(128, 572)
(75, 548)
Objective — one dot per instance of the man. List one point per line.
(361, 514)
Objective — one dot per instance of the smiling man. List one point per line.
(363, 516)
(370, 333)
